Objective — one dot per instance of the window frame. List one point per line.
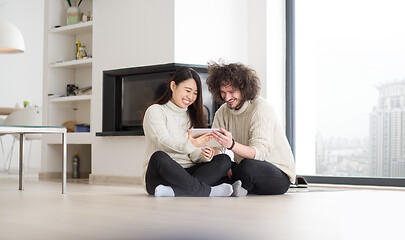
(290, 114)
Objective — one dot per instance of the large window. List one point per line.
(350, 88)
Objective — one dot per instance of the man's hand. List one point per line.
(223, 137)
(199, 141)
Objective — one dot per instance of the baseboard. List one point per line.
(103, 179)
(58, 175)
(93, 179)
(49, 175)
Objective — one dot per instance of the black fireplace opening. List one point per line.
(128, 92)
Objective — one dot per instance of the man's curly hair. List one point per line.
(237, 75)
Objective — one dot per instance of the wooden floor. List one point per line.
(126, 212)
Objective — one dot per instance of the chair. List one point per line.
(3, 156)
(25, 117)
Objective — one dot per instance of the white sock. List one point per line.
(238, 190)
(164, 191)
(222, 190)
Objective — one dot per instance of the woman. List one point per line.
(176, 163)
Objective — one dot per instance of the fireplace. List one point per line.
(128, 92)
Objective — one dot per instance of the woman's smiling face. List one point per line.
(185, 93)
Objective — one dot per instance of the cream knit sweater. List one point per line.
(165, 127)
(255, 124)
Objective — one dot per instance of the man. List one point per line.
(264, 163)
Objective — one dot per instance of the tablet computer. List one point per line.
(196, 132)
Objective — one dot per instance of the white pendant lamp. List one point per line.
(11, 39)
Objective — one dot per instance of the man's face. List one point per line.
(232, 96)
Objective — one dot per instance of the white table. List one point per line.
(22, 130)
(7, 110)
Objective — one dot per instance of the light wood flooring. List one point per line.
(126, 212)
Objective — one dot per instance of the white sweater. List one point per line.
(255, 124)
(165, 127)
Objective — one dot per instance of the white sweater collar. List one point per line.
(175, 108)
(241, 110)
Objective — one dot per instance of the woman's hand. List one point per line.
(224, 138)
(199, 141)
(207, 153)
(229, 174)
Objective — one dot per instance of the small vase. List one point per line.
(73, 14)
(81, 53)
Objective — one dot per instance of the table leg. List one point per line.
(21, 165)
(64, 164)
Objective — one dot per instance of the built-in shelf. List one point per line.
(73, 63)
(61, 69)
(74, 29)
(71, 138)
(70, 98)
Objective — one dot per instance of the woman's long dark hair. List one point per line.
(196, 110)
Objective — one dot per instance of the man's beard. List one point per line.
(237, 107)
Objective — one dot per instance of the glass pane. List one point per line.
(350, 88)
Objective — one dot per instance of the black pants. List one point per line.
(259, 177)
(194, 181)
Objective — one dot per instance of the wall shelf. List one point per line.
(70, 98)
(73, 63)
(74, 29)
(62, 69)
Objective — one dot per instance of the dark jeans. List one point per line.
(194, 181)
(259, 177)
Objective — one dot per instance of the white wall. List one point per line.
(275, 53)
(257, 41)
(211, 30)
(227, 30)
(126, 34)
(21, 74)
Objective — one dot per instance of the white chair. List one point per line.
(24, 117)
(3, 156)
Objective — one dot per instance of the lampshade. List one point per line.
(11, 39)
